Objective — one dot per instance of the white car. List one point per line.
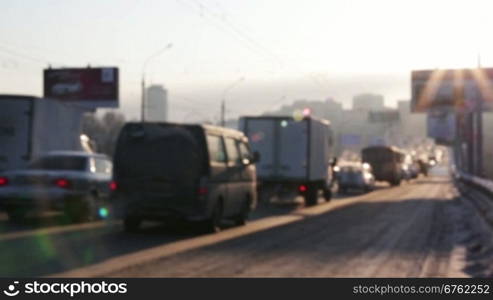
(355, 176)
(77, 183)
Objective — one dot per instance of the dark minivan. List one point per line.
(196, 173)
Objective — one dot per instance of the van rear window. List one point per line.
(172, 154)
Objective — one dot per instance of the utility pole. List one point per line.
(478, 134)
(223, 112)
(143, 100)
(223, 101)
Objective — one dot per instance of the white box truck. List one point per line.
(295, 155)
(30, 126)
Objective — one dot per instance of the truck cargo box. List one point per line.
(30, 126)
(290, 149)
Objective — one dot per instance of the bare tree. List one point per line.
(104, 131)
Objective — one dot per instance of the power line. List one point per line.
(204, 12)
(26, 57)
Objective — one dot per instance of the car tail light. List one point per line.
(302, 188)
(202, 191)
(4, 181)
(62, 183)
(113, 186)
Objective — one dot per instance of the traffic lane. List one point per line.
(403, 231)
(32, 251)
(141, 257)
(290, 204)
(53, 221)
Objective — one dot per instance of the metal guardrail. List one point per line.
(482, 184)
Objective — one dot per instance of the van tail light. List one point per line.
(4, 181)
(113, 186)
(302, 188)
(62, 183)
(202, 191)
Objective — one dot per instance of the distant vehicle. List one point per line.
(31, 126)
(77, 183)
(66, 88)
(410, 168)
(195, 173)
(415, 169)
(423, 167)
(386, 162)
(355, 176)
(407, 172)
(296, 155)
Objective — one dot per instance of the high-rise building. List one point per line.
(156, 106)
(368, 102)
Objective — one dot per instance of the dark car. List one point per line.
(195, 173)
(75, 182)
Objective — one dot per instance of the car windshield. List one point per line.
(73, 163)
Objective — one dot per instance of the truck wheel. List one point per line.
(327, 194)
(311, 196)
(395, 182)
(131, 224)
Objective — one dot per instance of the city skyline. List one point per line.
(284, 50)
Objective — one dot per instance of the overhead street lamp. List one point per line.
(142, 111)
(223, 102)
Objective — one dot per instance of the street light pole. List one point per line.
(143, 84)
(223, 102)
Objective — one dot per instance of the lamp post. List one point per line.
(143, 100)
(223, 102)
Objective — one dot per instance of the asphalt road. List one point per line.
(414, 230)
(396, 232)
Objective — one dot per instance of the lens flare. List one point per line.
(103, 212)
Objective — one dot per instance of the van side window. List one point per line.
(244, 151)
(216, 149)
(233, 154)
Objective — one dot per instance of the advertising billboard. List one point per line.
(88, 87)
(461, 90)
(441, 126)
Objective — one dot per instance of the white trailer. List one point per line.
(30, 126)
(295, 156)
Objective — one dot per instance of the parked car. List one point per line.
(195, 173)
(75, 182)
(355, 176)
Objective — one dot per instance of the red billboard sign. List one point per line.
(458, 89)
(88, 87)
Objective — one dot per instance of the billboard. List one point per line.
(88, 87)
(441, 126)
(461, 90)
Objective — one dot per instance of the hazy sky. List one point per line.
(284, 50)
